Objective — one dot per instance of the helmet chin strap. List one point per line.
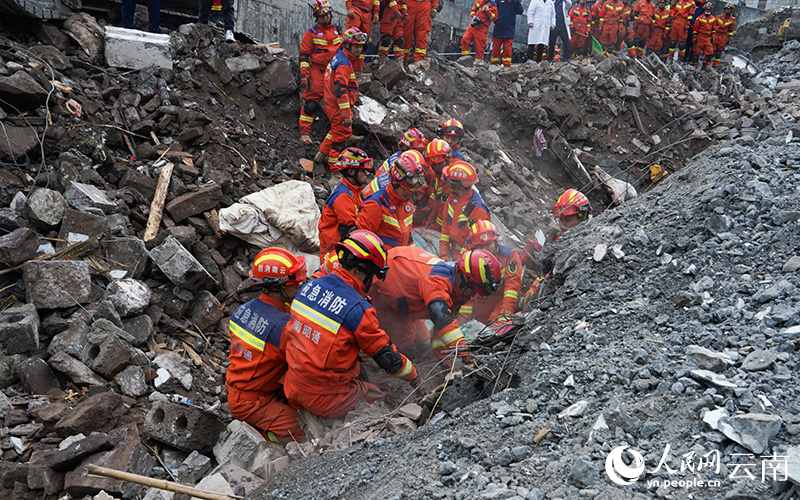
(353, 178)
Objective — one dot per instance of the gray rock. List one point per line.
(708, 359)
(79, 373)
(751, 430)
(247, 62)
(131, 382)
(17, 142)
(46, 208)
(278, 78)
(583, 474)
(568, 75)
(488, 140)
(130, 297)
(759, 360)
(18, 246)
(57, 284)
(140, 328)
(105, 351)
(777, 290)
(19, 329)
(194, 467)
(85, 196)
(712, 378)
(205, 311)
(511, 421)
(131, 254)
(180, 266)
(22, 91)
(791, 265)
(71, 341)
(390, 73)
(447, 468)
(5, 405)
(176, 366)
(37, 377)
(503, 457)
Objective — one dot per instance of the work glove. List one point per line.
(347, 122)
(350, 14)
(433, 13)
(476, 20)
(375, 19)
(415, 381)
(304, 84)
(406, 15)
(373, 394)
(395, 15)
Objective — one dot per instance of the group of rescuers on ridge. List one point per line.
(330, 57)
(297, 345)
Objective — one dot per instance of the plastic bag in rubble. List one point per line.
(472, 329)
(620, 190)
(426, 239)
(284, 215)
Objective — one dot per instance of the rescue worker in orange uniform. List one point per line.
(438, 156)
(389, 212)
(391, 29)
(723, 32)
(360, 15)
(331, 322)
(703, 36)
(625, 30)
(642, 24)
(483, 13)
(421, 286)
(681, 22)
(484, 235)
(658, 42)
(464, 207)
(610, 20)
(412, 140)
(417, 27)
(253, 378)
(596, 10)
(339, 213)
(452, 132)
(580, 18)
(319, 45)
(341, 92)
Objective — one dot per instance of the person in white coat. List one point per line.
(562, 8)
(541, 19)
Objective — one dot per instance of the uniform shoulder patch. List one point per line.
(512, 267)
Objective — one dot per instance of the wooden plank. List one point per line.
(212, 218)
(196, 359)
(157, 206)
(637, 119)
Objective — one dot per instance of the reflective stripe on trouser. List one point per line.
(314, 92)
(416, 29)
(273, 417)
(479, 35)
(337, 135)
(444, 345)
(393, 28)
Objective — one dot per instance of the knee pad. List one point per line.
(311, 107)
(399, 42)
(682, 46)
(386, 40)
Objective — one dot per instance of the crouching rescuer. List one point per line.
(257, 365)
(331, 322)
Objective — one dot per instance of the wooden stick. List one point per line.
(637, 119)
(157, 206)
(161, 484)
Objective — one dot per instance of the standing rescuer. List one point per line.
(417, 27)
(331, 322)
(483, 13)
(320, 43)
(483, 235)
(340, 210)
(723, 32)
(360, 15)
(389, 212)
(421, 286)
(703, 35)
(464, 207)
(391, 29)
(341, 92)
(253, 378)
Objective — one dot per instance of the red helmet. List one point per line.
(276, 266)
(461, 173)
(355, 36)
(407, 172)
(572, 202)
(353, 158)
(321, 7)
(481, 270)
(365, 245)
(728, 6)
(438, 151)
(452, 127)
(481, 232)
(413, 139)
(708, 6)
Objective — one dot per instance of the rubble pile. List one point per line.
(670, 326)
(114, 335)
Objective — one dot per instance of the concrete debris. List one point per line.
(179, 265)
(19, 329)
(86, 197)
(77, 372)
(57, 284)
(129, 296)
(133, 49)
(183, 426)
(176, 367)
(18, 246)
(708, 359)
(751, 430)
(46, 207)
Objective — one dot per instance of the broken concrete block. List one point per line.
(751, 430)
(131, 382)
(79, 373)
(238, 478)
(177, 367)
(78, 226)
(131, 254)
(129, 296)
(759, 360)
(22, 91)
(85, 197)
(57, 284)
(568, 75)
(11, 473)
(183, 426)
(488, 140)
(41, 476)
(105, 352)
(196, 202)
(46, 208)
(140, 328)
(278, 78)
(19, 329)
(37, 377)
(399, 425)
(247, 62)
(126, 48)
(96, 413)
(390, 73)
(205, 311)
(240, 445)
(411, 410)
(708, 359)
(129, 456)
(216, 483)
(157, 494)
(18, 246)
(17, 142)
(193, 468)
(70, 341)
(69, 457)
(180, 266)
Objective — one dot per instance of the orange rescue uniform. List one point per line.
(417, 27)
(253, 378)
(703, 34)
(483, 13)
(459, 214)
(319, 45)
(723, 34)
(391, 29)
(610, 18)
(486, 309)
(341, 92)
(580, 18)
(658, 34)
(387, 215)
(364, 12)
(642, 24)
(338, 215)
(682, 14)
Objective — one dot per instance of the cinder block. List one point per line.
(183, 426)
(54, 284)
(19, 329)
(136, 49)
(241, 444)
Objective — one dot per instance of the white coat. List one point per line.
(541, 19)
